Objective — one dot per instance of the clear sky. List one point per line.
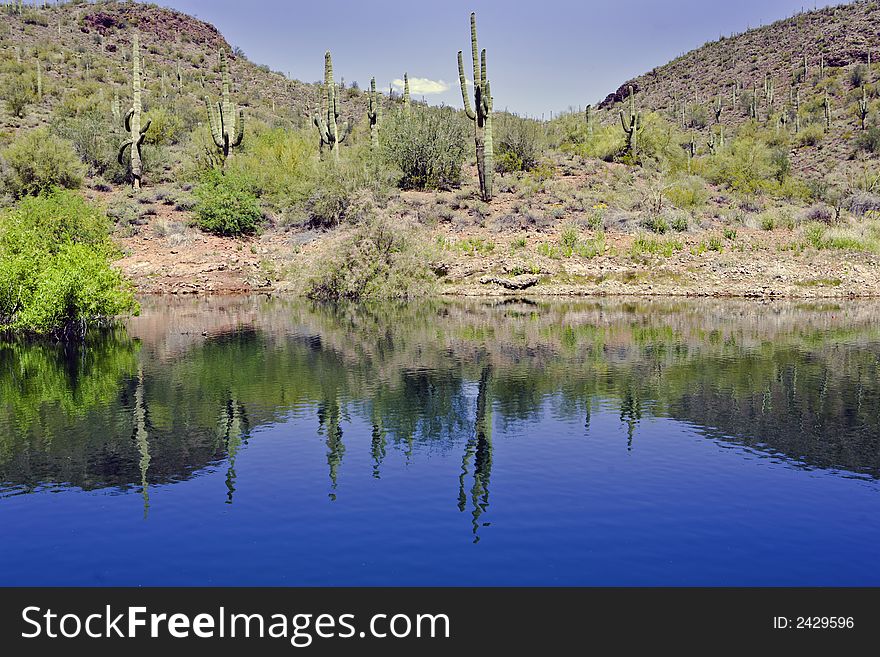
(544, 55)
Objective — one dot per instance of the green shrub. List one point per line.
(54, 266)
(37, 161)
(18, 92)
(165, 127)
(379, 261)
(279, 163)
(810, 135)
(92, 136)
(519, 143)
(687, 193)
(869, 140)
(226, 204)
(427, 145)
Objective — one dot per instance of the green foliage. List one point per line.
(37, 161)
(810, 135)
(379, 261)
(751, 165)
(279, 163)
(427, 145)
(519, 143)
(166, 127)
(687, 193)
(646, 245)
(226, 204)
(93, 137)
(54, 266)
(869, 140)
(18, 92)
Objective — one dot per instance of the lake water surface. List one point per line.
(260, 441)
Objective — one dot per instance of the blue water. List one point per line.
(745, 459)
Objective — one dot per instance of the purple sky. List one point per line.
(543, 56)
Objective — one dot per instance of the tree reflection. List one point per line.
(479, 450)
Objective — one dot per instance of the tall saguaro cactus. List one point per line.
(406, 91)
(632, 125)
(227, 129)
(327, 120)
(133, 119)
(481, 114)
(863, 106)
(374, 114)
(827, 106)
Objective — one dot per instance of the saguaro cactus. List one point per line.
(327, 119)
(863, 106)
(406, 91)
(632, 125)
(827, 106)
(481, 114)
(39, 81)
(133, 120)
(719, 108)
(374, 113)
(589, 117)
(227, 130)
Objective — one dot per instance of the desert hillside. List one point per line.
(747, 167)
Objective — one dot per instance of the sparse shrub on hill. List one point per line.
(379, 261)
(427, 145)
(54, 266)
(519, 143)
(278, 162)
(226, 204)
(810, 135)
(18, 93)
(37, 161)
(869, 140)
(93, 137)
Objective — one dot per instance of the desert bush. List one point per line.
(166, 128)
(226, 204)
(810, 135)
(92, 136)
(687, 193)
(18, 92)
(748, 166)
(869, 140)
(279, 163)
(858, 75)
(379, 261)
(519, 142)
(427, 145)
(37, 161)
(54, 266)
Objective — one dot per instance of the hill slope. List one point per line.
(836, 42)
(82, 46)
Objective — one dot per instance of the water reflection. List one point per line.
(161, 403)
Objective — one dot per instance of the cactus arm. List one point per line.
(478, 77)
(121, 156)
(146, 127)
(623, 123)
(239, 135)
(346, 129)
(464, 94)
(128, 119)
(214, 123)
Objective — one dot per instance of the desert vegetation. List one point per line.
(214, 173)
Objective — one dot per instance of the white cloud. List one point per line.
(422, 86)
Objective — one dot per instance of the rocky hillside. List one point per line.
(85, 47)
(836, 43)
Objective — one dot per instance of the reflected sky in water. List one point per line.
(614, 442)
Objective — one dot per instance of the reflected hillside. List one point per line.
(185, 386)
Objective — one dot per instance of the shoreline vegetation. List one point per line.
(141, 154)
